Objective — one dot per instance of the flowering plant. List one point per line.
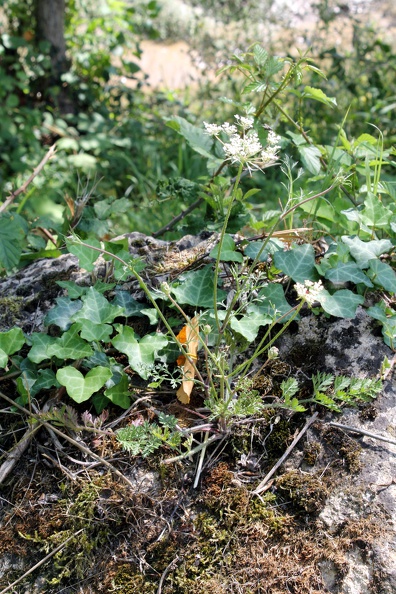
(243, 146)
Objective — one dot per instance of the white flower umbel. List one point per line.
(244, 146)
(309, 291)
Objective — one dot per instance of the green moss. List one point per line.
(10, 308)
(306, 491)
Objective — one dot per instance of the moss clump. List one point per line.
(128, 580)
(346, 447)
(311, 452)
(10, 308)
(306, 491)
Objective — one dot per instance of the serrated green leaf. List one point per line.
(81, 388)
(196, 137)
(69, 346)
(13, 230)
(12, 341)
(319, 95)
(382, 275)
(341, 304)
(141, 353)
(86, 256)
(348, 272)
(228, 253)
(298, 263)
(310, 158)
(364, 251)
(196, 288)
(97, 309)
(118, 394)
(62, 312)
(260, 55)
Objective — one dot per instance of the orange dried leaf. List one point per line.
(190, 334)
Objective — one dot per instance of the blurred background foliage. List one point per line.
(116, 156)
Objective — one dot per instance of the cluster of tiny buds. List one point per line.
(309, 291)
(244, 146)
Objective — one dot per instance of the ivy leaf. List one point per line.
(140, 353)
(132, 308)
(274, 303)
(387, 317)
(40, 343)
(341, 304)
(253, 248)
(74, 291)
(382, 275)
(228, 253)
(375, 214)
(86, 255)
(118, 394)
(364, 251)
(298, 263)
(95, 332)
(197, 288)
(81, 388)
(11, 341)
(62, 312)
(249, 324)
(97, 309)
(69, 346)
(348, 272)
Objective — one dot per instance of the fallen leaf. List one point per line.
(189, 337)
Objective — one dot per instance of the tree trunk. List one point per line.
(50, 16)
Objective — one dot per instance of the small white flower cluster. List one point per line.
(244, 146)
(309, 291)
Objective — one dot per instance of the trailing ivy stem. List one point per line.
(220, 244)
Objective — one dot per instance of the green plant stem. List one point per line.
(220, 245)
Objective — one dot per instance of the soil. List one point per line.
(323, 524)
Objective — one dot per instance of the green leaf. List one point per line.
(375, 214)
(3, 359)
(12, 341)
(81, 388)
(249, 324)
(228, 253)
(364, 251)
(298, 263)
(118, 394)
(97, 309)
(74, 291)
(69, 346)
(131, 307)
(40, 343)
(86, 255)
(141, 353)
(13, 230)
(382, 275)
(196, 137)
(95, 332)
(349, 272)
(62, 312)
(387, 317)
(197, 288)
(310, 158)
(318, 95)
(274, 303)
(253, 248)
(341, 304)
